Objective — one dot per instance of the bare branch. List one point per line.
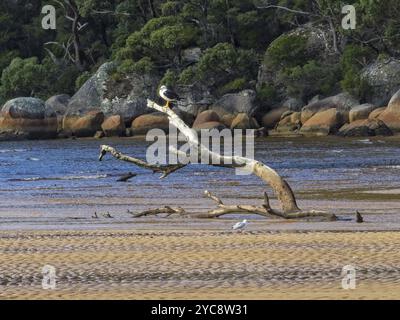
(282, 189)
(165, 170)
(154, 212)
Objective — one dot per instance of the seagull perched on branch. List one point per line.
(168, 95)
(240, 225)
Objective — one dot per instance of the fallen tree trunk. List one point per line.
(284, 193)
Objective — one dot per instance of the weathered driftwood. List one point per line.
(165, 170)
(127, 177)
(155, 212)
(284, 193)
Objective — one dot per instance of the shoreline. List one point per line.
(275, 136)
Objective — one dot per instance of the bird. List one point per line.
(240, 225)
(168, 95)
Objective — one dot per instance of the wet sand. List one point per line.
(199, 264)
(47, 201)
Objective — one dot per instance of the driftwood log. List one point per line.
(283, 192)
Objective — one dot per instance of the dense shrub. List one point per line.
(23, 77)
(353, 59)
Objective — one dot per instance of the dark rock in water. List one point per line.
(85, 125)
(29, 118)
(359, 217)
(235, 103)
(365, 128)
(383, 79)
(126, 97)
(127, 177)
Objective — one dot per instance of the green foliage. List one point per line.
(310, 79)
(149, 37)
(170, 8)
(28, 77)
(6, 58)
(266, 94)
(299, 70)
(234, 86)
(143, 66)
(172, 37)
(80, 81)
(170, 78)
(188, 76)
(222, 64)
(353, 59)
(287, 51)
(23, 77)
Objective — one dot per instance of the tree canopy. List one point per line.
(235, 38)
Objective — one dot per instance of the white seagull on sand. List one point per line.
(240, 225)
(168, 95)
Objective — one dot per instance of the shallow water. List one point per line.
(61, 182)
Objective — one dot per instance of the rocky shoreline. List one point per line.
(104, 108)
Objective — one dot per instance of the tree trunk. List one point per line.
(78, 56)
(284, 193)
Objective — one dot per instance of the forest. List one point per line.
(236, 38)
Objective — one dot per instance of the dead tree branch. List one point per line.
(165, 170)
(284, 193)
(155, 212)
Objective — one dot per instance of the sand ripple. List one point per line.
(199, 264)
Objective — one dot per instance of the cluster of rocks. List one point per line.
(104, 107)
(339, 115)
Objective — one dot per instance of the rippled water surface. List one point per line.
(63, 179)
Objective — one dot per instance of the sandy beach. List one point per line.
(176, 264)
(46, 212)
